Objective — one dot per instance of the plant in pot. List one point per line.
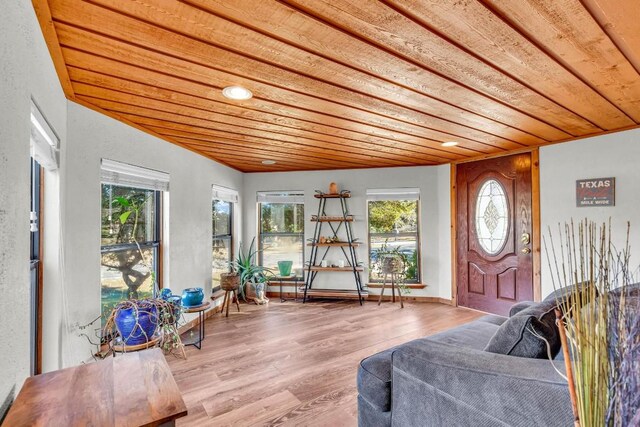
(139, 322)
(253, 278)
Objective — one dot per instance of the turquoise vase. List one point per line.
(192, 297)
(285, 268)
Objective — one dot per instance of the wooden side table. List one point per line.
(188, 338)
(133, 389)
(394, 286)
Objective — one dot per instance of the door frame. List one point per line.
(535, 220)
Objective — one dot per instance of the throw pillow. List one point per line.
(527, 333)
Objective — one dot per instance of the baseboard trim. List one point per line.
(416, 298)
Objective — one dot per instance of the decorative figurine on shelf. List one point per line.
(333, 188)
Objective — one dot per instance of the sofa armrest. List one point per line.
(519, 306)
(450, 385)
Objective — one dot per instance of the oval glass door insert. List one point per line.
(492, 217)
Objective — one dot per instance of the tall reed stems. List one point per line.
(599, 320)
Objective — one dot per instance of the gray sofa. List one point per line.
(449, 380)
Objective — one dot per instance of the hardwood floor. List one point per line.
(293, 364)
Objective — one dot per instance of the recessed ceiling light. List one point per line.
(268, 162)
(236, 92)
(449, 144)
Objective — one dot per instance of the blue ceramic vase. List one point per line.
(192, 297)
(176, 300)
(165, 294)
(137, 329)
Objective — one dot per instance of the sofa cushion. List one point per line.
(519, 306)
(522, 335)
(564, 293)
(374, 374)
(473, 335)
(493, 319)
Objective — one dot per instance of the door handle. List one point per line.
(525, 251)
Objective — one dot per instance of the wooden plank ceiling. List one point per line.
(351, 84)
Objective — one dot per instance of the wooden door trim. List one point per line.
(454, 234)
(535, 223)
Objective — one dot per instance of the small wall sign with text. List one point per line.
(596, 192)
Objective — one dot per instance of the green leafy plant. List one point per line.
(251, 274)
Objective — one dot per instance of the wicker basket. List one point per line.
(229, 281)
(392, 264)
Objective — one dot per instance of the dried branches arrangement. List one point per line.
(599, 323)
(143, 322)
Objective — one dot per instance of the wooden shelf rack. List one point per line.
(337, 224)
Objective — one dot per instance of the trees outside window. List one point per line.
(281, 235)
(222, 217)
(393, 228)
(130, 239)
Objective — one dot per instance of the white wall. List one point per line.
(26, 71)
(93, 136)
(435, 220)
(613, 155)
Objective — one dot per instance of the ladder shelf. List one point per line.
(335, 223)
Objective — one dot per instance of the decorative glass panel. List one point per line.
(492, 217)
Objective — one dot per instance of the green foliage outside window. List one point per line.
(393, 230)
(282, 218)
(387, 216)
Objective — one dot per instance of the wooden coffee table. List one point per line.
(132, 389)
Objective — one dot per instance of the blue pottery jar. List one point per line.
(165, 293)
(137, 328)
(176, 300)
(192, 297)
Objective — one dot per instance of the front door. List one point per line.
(494, 233)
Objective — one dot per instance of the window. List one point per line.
(222, 218)
(130, 233)
(44, 146)
(393, 216)
(281, 230)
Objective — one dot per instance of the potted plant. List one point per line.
(138, 322)
(252, 277)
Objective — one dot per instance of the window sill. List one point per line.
(408, 285)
